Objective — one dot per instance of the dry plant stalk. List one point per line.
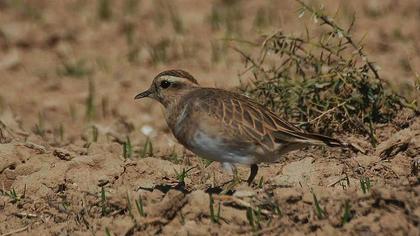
(325, 83)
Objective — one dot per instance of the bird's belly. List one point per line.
(217, 149)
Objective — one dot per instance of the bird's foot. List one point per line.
(252, 174)
(230, 185)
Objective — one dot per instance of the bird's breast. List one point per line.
(179, 121)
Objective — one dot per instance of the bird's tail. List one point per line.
(331, 142)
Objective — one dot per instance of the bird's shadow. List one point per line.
(164, 188)
(219, 190)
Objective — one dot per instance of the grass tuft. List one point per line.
(105, 106)
(13, 195)
(324, 82)
(72, 112)
(127, 148)
(139, 206)
(59, 132)
(174, 157)
(159, 51)
(95, 133)
(130, 212)
(108, 232)
(90, 101)
(76, 69)
(105, 210)
(27, 9)
(263, 17)
(261, 182)
(206, 162)
(104, 10)
(365, 184)
(320, 213)
(277, 210)
(347, 213)
(254, 218)
(218, 51)
(39, 128)
(175, 18)
(167, 10)
(147, 149)
(180, 176)
(226, 16)
(131, 6)
(214, 216)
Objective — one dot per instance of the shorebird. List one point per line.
(227, 127)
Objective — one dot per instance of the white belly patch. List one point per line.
(215, 149)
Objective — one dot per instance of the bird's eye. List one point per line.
(165, 84)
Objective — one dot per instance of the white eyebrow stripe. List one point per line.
(175, 79)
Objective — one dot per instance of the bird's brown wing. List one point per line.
(252, 122)
(249, 120)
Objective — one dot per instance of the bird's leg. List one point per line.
(231, 184)
(252, 174)
(228, 167)
(231, 170)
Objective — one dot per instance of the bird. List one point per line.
(227, 127)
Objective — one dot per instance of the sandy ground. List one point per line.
(63, 171)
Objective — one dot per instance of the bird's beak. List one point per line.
(143, 94)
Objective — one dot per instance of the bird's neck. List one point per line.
(177, 112)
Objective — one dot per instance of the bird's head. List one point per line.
(169, 86)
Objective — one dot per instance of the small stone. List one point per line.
(147, 130)
(145, 184)
(398, 142)
(295, 173)
(63, 154)
(244, 193)
(102, 182)
(170, 205)
(283, 181)
(39, 148)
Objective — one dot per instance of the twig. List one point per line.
(337, 181)
(248, 58)
(39, 148)
(25, 215)
(327, 20)
(327, 111)
(16, 231)
(241, 203)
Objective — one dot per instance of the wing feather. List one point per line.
(253, 123)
